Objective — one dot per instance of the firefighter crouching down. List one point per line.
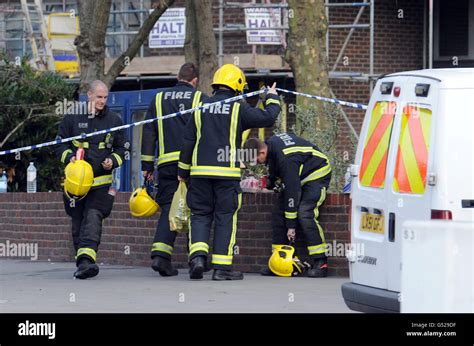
(104, 153)
(305, 173)
(168, 134)
(214, 192)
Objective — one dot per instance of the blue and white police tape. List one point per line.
(205, 106)
(126, 126)
(326, 99)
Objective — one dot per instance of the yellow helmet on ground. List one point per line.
(79, 178)
(282, 263)
(141, 204)
(230, 76)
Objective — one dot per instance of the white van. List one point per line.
(414, 161)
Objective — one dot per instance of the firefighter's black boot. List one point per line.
(86, 269)
(163, 266)
(197, 267)
(319, 269)
(221, 275)
(266, 272)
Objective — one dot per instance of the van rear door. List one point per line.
(371, 188)
(410, 166)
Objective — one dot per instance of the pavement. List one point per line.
(49, 287)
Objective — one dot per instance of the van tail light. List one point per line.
(441, 215)
(396, 91)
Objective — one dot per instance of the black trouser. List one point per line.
(87, 215)
(215, 200)
(163, 242)
(313, 195)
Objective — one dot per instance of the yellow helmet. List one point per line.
(282, 262)
(79, 178)
(230, 76)
(141, 204)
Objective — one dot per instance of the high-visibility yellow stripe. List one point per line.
(270, 101)
(199, 246)
(196, 99)
(233, 133)
(377, 140)
(159, 114)
(291, 215)
(221, 259)
(378, 111)
(64, 155)
(234, 226)
(215, 171)
(102, 180)
(317, 249)
(168, 157)
(148, 158)
(197, 121)
(86, 145)
(118, 158)
(377, 158)
(301, 169)
(321, 172)
(316, 213)
(425, 119)
(163, 247)
(184, 166)
(78, 144)
(411, 165)
(87, 251)
(311, 150)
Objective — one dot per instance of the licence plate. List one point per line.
(372, 223)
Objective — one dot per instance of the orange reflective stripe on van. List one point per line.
(374, 157)
(412, 156)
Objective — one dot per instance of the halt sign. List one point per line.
(170, 30)
(259, 19)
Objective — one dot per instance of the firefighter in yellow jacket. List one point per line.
(210, 157)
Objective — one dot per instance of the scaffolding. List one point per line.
(127, 16)
(367, 76)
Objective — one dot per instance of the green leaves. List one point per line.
(27, 116)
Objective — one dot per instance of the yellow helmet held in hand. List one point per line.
(79, 178)
(141, 204)
(282, 263)
(230, 76)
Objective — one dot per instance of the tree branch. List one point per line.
(28, 118)
(121, 62)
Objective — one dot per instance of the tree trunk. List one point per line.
(93, 19)
(191, 43)
(200, 44)
(306, 54)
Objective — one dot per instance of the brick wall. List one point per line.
(40, 218)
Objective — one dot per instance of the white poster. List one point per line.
(170, 30)
(257, 19)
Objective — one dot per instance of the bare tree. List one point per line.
(200, 43)
(306, 51)
(93, 19)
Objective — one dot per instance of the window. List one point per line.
(413, 147)
(377, 141)
(454, 30)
